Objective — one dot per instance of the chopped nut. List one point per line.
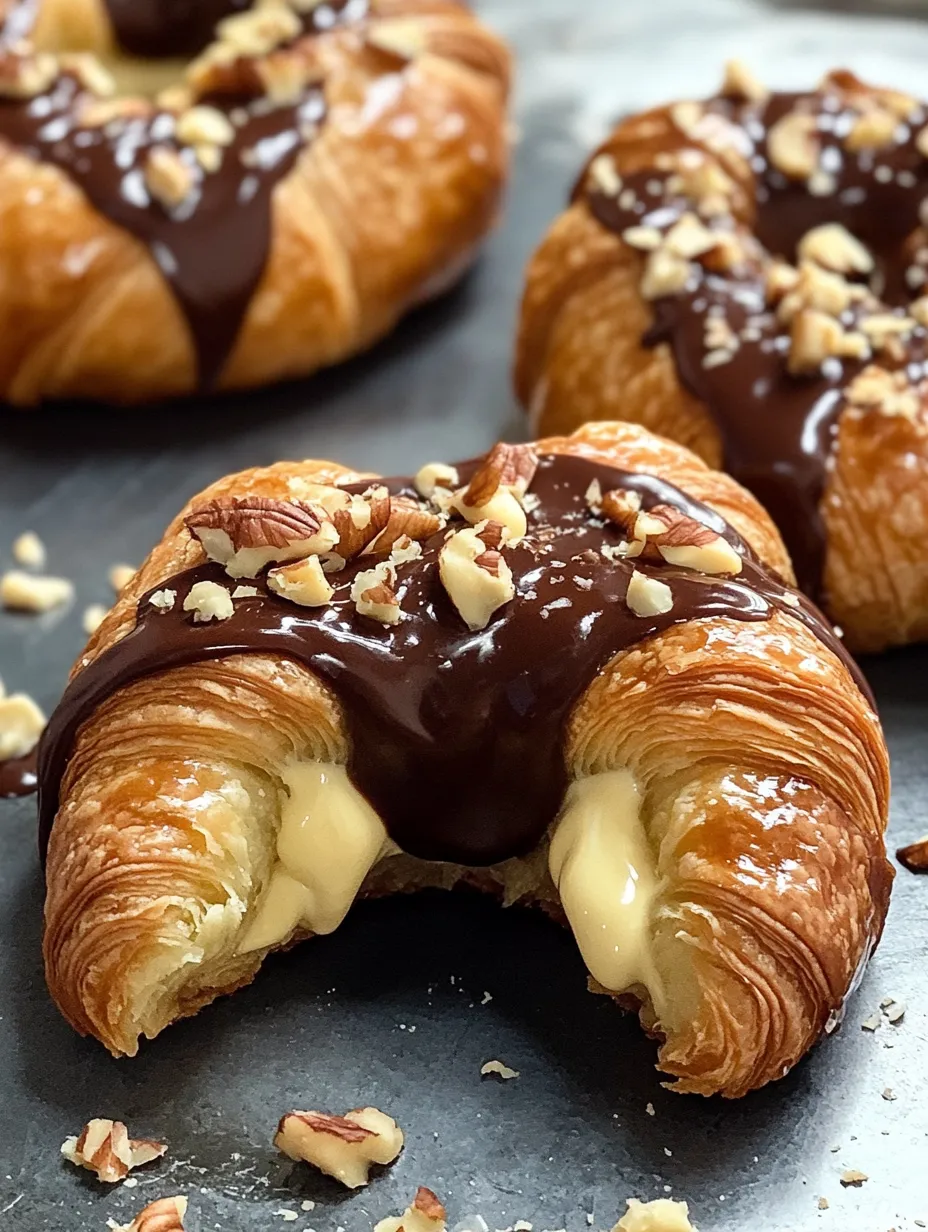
(646, 596)
(817, 288)
(208, 601)
(871, 1024)
(853, 1177)
(622, 506)
(815, 337)
(245, 592)
(435, 475)
(505, 466)
(645, 239)
(690, 545)
(872, 130)
(302, 582)
(26, 76)
(163, 600)
(405, 550)
(259, 30)
(29, 550)
(605, 176)
(888, 1094)
(889, 393)
(168, 177)
(919, 310)
(120, 576)
(104, 1147)
(835, 248)
(361, 520)
(341, 1146)
(90, 72)
(475, 575)
(498, 1069)
(406, 520)
(594, 495)
(740, 82)
(246, 534)
(204, 125)
(793, 145)
(914, 856)
(661, 1215)
(425, 1214)
(27, 592)
(894, 1010)
(403, 37)
(164, 1215)
(780, 279)
(21, 725)
(93, 617)
(823, 1204)
(882, 327)
(690, 238)
(285, 77)
(373, 595)
(665, 274)
(686, 116)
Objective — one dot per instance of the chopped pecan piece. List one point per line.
(406, 519)
(341, 1146)
(915, 856)
(164, 1215)
(474, 573)
(104, 1147)
(245, 534)
(426, 1213)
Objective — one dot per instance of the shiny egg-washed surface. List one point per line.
(428, 703)
(213, 247)
(777, 428)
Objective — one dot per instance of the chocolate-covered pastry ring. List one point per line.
(270, 206)
(746, 275)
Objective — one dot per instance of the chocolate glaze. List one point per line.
(779, 430)
(456, 738)
(212, 250)
(160, 28)
(18, 775)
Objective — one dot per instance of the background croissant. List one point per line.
(383, 209)
(581, 356)
(762, 772)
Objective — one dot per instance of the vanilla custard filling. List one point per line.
(603, 867)
(329, 840)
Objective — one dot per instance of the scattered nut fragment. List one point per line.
(29, 551)
(406, 520)
(644, 238)
(104, 1147)
(302, 582)
(888, 1094)
(27, 592)
(120, 576)
(823, 1204)
(341, 1146)
(605, 176)
(93, 617)
(435, 475)
(893, 1010)
(661, 1215)
(497, 488)
(690, 238)
(164, 1215)
(260, 29)
(163, 600)
(92, 75)
(21, 725)
(425, 1214)
(404, 37)
(834, 247)
(26, 76)
(361, 520)
(246, 534)
(740, 82)
(498, 1069)
(815, 337)
(872, 1023)
(689, 544)
(622, 506)
(208, 601)
(405, 550)
(872, 130)
(914, 856)
(853, 1177)
(474, 573)
(168, 177)
(245, 592)
(665, 274)
(646, 596)
(793, 145)
(889, 393)
(373, 595)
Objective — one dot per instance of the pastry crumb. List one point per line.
(888, 1093)
(661, 1215)
(871, 1024)
(893, 1010)
(93, 617)
(823, 1204)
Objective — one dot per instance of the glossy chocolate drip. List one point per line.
(456, 738)
(778, 430)
(161, 28)
(18, 775)
(212, 249)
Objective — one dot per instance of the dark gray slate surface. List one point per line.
(390, 1009)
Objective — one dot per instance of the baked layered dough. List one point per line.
(385, 206)
(749, 767)
(752, 169)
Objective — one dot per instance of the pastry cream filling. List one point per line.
(329, 840)
(604, 870)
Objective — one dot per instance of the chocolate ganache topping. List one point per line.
(455, 737)
(728, 333)
(212, 247)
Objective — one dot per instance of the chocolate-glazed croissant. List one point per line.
(746, 275)
(316, 171)
(647, 731)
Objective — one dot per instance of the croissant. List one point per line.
(571, 674)
(316, 172)
(736, 274)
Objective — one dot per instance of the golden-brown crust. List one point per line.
(763, 774)
(580, 358)
(384, 208)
